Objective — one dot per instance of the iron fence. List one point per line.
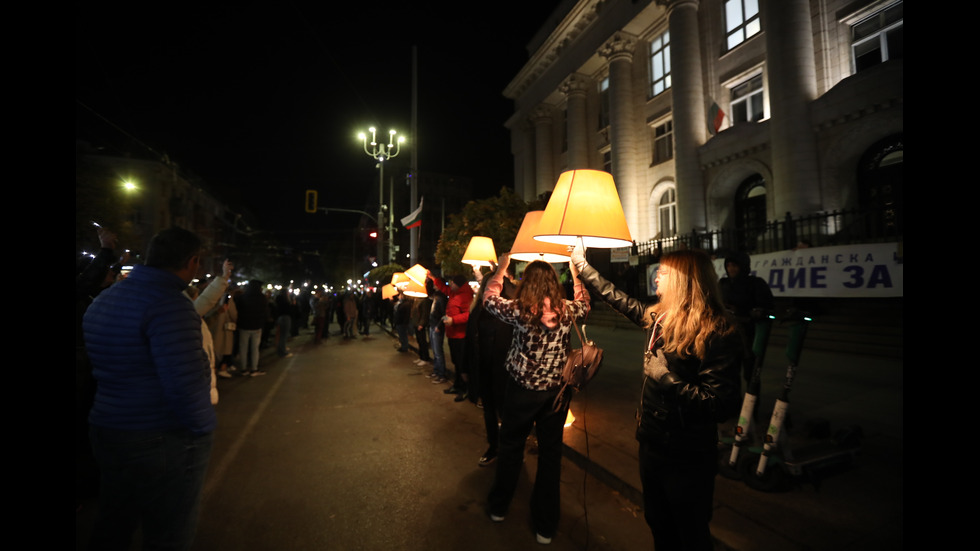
(842, 227)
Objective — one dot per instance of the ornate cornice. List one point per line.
(576, 83)
(621, 45)
(575, 23)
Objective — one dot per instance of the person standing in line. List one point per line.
(420, 321)
(437, 332)
(253, 311)
(542, 319)
(402, 319)
(285, 312)
(321, 307)
(691, 383)
(218, 318)
(350, 314)
(457, 314)
(152, 422)
(493, 343)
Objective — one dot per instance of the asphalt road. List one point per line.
(347, 446)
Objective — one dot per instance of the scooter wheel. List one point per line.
(772, 479)
(726, 470)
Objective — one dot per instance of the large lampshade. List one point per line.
(480, 252)
(399, 278)
(528, 249)
(417, 274)
(388, 291)
(402, 282)
(585, 205)
(413, 289)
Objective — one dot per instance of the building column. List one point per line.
(622, 125)
(792, 87)
(690, 124)
(543, 118)
(576, 88)
(522, 147)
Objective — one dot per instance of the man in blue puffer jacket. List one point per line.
(152, 418)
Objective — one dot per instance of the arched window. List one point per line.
(665, 222)
(880, 177)
(750, 211)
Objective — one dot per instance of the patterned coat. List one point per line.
(538, 349)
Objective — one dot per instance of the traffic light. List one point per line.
(310, 204)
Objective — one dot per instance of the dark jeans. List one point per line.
(422, 336)
(678, 489)
(402, 331)
(522, 410)
(149, 478)
(457, 353)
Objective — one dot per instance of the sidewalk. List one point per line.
(859, 507)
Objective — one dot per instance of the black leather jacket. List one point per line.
(683, 408)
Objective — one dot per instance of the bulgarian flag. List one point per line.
(715, 117)
(414, 219)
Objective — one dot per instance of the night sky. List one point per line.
(264, 100)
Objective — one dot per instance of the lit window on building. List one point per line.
(747, 101)
(604, 103)
(878, 38)
(667, 213)
(660, 64)
(741, 21)
(663, 142)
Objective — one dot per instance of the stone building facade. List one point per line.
(717, 114)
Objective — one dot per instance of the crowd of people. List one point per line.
(508, 341)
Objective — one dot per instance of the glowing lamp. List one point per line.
(585, 206)
(413, 289)
(529, 249)
(388, 291)
(417, 275)
(398, 279)
(480, 252)
(569, 419)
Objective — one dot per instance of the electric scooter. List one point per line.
(744, 430)
(777, 461)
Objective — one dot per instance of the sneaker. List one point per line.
(452, 390)
(496, 518)
(488, 458)
(224, 375)
(431, 375)
(438, 380)
(257, 373)
(542, 540)
(460, 397)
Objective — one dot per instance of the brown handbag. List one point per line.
(580, 367)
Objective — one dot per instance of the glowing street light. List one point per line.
(382, 152)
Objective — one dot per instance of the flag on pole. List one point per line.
(414, 219)
(715, 118)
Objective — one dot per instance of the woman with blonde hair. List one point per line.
(542, 320)
(692, 363)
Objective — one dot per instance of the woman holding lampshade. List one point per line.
(691, 371)
(542, 319)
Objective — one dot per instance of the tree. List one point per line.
(382, 274)
(498, 218)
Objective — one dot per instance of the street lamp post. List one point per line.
(382, 152)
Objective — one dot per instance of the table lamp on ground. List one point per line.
(585, 208)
